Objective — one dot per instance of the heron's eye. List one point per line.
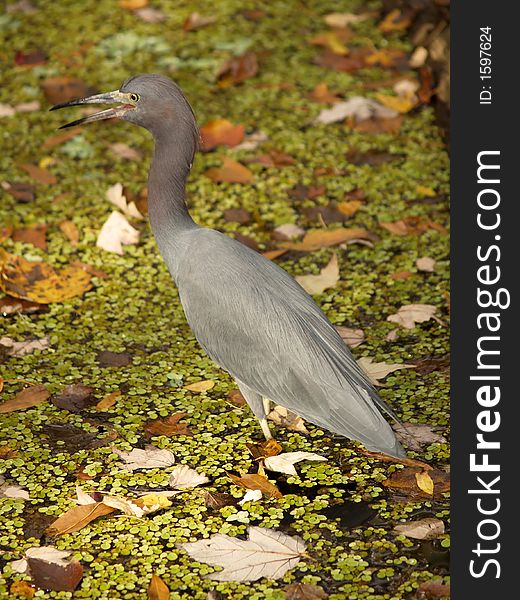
(134, 97)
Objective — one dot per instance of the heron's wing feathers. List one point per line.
(256, 322)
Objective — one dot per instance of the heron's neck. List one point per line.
(169, 170)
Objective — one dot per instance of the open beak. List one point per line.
(109, 113)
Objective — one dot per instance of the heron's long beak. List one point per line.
(109, 113)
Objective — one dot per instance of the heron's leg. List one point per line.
(267, 405)
(257, 405)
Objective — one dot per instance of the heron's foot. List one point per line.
(265, 429)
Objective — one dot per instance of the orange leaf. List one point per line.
(78, 517)
(324, 238)
(395, 21)
(264, 449)
(168, 426)
(231, 171)
(108, 401)
(31, 396)
(237, 69)
(321, 93)
(252, 481)
(70, 231)
(350, 207)
(133, 4)
(158, 590)
(221, 131)
(34, 234)
(56, 140)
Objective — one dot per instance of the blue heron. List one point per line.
(247, 313)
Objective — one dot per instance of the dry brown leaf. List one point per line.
(434, 590)
(273, 158)
(412, 226)
(217, 500)
(415, 435)
(50, 570)
(236, 398)
(253, 481)
(428, 528)
(334, 40)
(264, 449)
(395, 21)
(281, 416)
(63, 89)
(324, 238)
(108, 401)
(380, 370)
(376, 126)
(221, 132)
(33, 234)
(304, 591)
(354, 61)
(352, 337)
(38, 281)
(409, 315)
(237, 69)
(321, 93)
(200, 386)
(61, 138)
(74, 398)
(78, 517)
(406, 481)
(196, 21)
(38, 174)
(350, 207)
(70, 231)
(158, 590)
(328, 277)
(231, 171)
(168, 426)
(31, 396)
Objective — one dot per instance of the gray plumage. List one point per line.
(248, 314)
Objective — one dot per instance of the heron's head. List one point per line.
(152, 101)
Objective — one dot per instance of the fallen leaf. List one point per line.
(27, 398)
(168, 426)
(353, 61)
(196, 21)
(264, 449)
(424, 482)
(108, 401)
(153, 502)
(375, 126)
(358, 107)
(50, 570)
(371, 157)
(236, 398)
(409, 315)
(6, 110)
(122, 150)
(327, 214)
(401, 104)
(379, 370)
(63, 89)
(273, 158)
(401, 275)
(284, 463)
(324, 238)
(412, 226)
(352, 337)
(38, 281)
(281, 416)
(89, 269)
(304, 591)
(183, 477)
(317, 284)
(33, 234)
(428, 528)
(237, 69)
(418, 58)
(252, 141)
(12, 491)
(426, 366)
(434, 590)
(23, 348)
(22, 588)
(305, 192)
(334, 40)
(149, 14)
(115, 195)
(425, 264)
(106, 358)
(266, 553)
(350, 207)
(30, 59)
(82, 498)
(344, 19)
(133, 4)
(406, 481)
(415, 435)
(217, 500)
(251, 496)
(220, 132)
(386, 58)
(426, 90)
(75, 438)
(149, 458)
(78, 517)
(253, 481)
(61, 138)
(158, 590)
(288, 231)
(395, 21)
(70, 231)
(75, 398)
(237, 215)
(22, 192)
(321, 93)
(38, 174)
(200, 386)
(274, 254)
(231, 171)
(115, 232)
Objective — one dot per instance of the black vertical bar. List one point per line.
(484, 123)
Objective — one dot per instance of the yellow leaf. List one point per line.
(76, 518)
(200, 386)
(425, 191)
(424, 482)
(157, 501)
(37, 281)
(157, 589)
(401, 104)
